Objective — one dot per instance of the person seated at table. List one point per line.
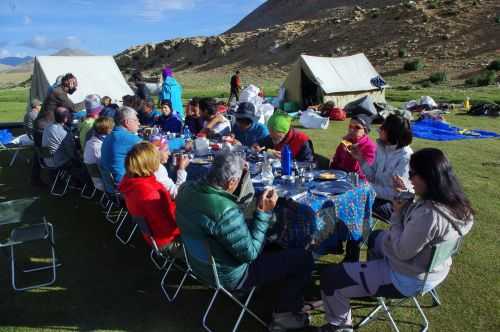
(168, 121)
(281, 133)
(236, 245)
(194, 121)
(400, 256)
(161, 173)
(149, 115)
(117, 144)
(358, 130)
(146, 197)
(248, 130)
(110, 111)
(30, 117)
(215, 124)
(92, 151)
(93, 108)
(106, 101)
(58, 139)
(392, 159)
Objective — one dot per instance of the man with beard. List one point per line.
(58, 97)
(280, 134)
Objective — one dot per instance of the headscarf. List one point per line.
(280, 122)
(167, 72)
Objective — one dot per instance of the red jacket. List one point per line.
(295, 139)
(344, 161)
(146, 197)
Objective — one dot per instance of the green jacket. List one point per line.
(210, 216)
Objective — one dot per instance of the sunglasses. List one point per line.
(355, 127)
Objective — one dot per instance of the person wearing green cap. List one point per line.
(281, 133)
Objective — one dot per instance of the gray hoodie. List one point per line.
(408, 243)
(389, 162)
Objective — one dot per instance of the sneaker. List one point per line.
(333, 328)
(289, 321)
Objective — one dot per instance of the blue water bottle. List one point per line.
(187, 133)
(286, 160)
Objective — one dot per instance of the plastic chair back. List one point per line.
(93, 170)
(13, 211)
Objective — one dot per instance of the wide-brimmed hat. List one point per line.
(246, 111)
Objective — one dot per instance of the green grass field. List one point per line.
(105, 286)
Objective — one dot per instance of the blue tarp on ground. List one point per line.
(440, 131)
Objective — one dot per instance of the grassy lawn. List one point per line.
(105, 286)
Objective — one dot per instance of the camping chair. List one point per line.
(14, 149)
(93, 171)
(114, 198)
(163, 259)
(440, 253)
(61, 172)
(121, 224)
(11, 212)
(200, 251)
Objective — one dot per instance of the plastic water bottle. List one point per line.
(286, 160)
(187, 133)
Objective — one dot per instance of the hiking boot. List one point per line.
(333, 328)
(287, 321)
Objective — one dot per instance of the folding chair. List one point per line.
(168, 260)
(61, 172)
(200, 250)
(115, 200)
(11, 212)
(440, 253)
(14, 149)
(93, 172)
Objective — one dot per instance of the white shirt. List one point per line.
(92, 155)
(161, 176)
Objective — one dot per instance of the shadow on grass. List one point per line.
(102, 284)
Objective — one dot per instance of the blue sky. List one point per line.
(41, 27)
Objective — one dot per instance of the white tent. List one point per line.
(95, 74)
(319, 79)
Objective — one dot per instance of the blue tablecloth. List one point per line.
(312, 219)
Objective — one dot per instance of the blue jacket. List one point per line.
(170, 123)
(252, 135)
(114, 150)
(149, 119)
(172, 90)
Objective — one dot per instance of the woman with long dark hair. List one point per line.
(399, 256)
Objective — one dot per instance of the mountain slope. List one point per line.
(274, 12)
(457, 36)
(14, 61)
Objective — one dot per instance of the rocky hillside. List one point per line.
(458, 36)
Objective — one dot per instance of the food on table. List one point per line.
(327, 176)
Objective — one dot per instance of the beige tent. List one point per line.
(95, 74)
(313, 80)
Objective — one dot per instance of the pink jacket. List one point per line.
(344, 161)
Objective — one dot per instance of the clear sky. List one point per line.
(41, 27)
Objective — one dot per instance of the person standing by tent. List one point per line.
(235, 87)
(141, 90)
(172, 91)
(58, 97)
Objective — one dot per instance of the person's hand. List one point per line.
(356, 152)
(398, 184)
(274, 153)
(188, 146)
(268, 200)
(397, 206)
(257, 148)
(183, 162)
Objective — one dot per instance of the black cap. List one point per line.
(246, 111)
(364, 120)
